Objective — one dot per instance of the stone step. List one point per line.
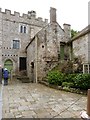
(24, 79)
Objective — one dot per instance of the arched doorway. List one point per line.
(8, 64)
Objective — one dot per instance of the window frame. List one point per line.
(23, 29)
(16, 44)
(86, 68)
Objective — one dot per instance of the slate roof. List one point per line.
(81, 33)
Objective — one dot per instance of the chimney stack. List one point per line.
(67, 29)
(32, 14)
(52, 15)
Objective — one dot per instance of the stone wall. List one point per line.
(31, 59)
(42, 41)
(80, 48)
(44, 50)
(11, 25)
(88, 37)
(48, 48)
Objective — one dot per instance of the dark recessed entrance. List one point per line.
(22, 61)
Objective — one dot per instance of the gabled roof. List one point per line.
(36, 35)
(41, 30)
(81, 33)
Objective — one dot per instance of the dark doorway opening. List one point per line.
(22, 61)
(32, 71)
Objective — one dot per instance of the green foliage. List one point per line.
(70, 77)
(55, 77)
(82, 81)
(79, 81)
(73, 33)
(67, 84)
(67, 89)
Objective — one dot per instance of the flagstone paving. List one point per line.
(31, 100)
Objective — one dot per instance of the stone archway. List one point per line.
(8, 64)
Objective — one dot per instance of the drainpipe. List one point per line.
(36, 57)
(86, 114)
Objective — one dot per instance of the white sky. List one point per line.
(74, 12)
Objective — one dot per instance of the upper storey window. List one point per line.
(16, 44)
(22, 29)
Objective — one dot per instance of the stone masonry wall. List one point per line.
(11, 24)
(30, 59)
(80, 48)
(88, 47)
(48, 48)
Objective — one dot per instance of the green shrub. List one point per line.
(55, 77)
(79, 81)
(82, 81)
(70, 77)
(67, 89)
(67, 84)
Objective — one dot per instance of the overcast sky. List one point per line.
(74, 12)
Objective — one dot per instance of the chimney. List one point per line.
(32, 14)
(52, 15)
(67, 29)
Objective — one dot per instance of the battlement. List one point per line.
(30, 15)
(25, 15)
(40, 19)
(8, 12)
(16, 13)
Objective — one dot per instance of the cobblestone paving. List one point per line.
(31, 100)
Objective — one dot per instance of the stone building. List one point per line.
(15, 33)
(31, 44)
(81, 48)
(47, 47)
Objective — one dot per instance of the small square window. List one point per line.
(16, 44)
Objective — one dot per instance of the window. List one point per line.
(86, 68)
(22, 29)
(16, 44)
